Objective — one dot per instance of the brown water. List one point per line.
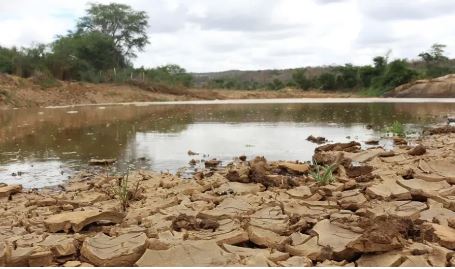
(42, 147)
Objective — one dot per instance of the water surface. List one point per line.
(42, 147)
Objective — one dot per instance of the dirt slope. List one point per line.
(19, 92)
(441, 87)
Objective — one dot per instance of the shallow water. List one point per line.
(42, 147)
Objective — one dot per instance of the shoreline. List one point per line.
(328, 100)
(392, 208)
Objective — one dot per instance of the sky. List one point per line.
(216, 35)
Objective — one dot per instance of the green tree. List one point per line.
(436, 63)
(348, 76)
(299, 77)
(127, 27)
(327, 81)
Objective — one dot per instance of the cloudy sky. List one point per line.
(215, 35)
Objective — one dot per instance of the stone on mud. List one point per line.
(124, 250)
(77, 220)
(417, 150)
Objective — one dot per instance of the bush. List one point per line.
(327, 81)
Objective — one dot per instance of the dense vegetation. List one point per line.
(99, 50)
(104, 42)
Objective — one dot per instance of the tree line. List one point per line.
(100, 49)
(108, 37)
(373, 79)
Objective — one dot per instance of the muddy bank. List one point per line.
(19, 92)
(394, 208)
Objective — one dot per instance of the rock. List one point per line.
(101, 161)
(443, 235)
(351, 200)
(59, 244)
(265, 238)
(8, 190)
(380, 260)
(299, 238)
(124, 250)
(192, 253)
(336, 238)
(451, 221)
(294, 168)
(317, 140)
(296, 261)
(79, 219)
(212, 163)
(417, 150)
(388, 189)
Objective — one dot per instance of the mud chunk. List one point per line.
(443, 235)
(212, 163)
(352, 146)
(182, 221)
(383, 259)
(336, 238)
(195, 253)
(399, 141)
(372, 142)
(417, 150)
(356, 171)
(239, 174)
(60, 244)
(103, 250)
(101, 161)
(79, 219)
(294, 168)
(191, 153)
(8, 190)
(317, 140)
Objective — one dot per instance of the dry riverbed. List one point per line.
(384, 209)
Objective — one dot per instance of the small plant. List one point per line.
(122, 191)
(397, 128)
(323, 174)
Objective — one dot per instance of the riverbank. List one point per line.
(381, 208)
(19, 92)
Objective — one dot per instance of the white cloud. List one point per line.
(212, 35)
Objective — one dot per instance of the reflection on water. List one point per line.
(47, 145)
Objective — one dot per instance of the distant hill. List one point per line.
(260, 76)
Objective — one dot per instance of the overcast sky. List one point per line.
(215, 35)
